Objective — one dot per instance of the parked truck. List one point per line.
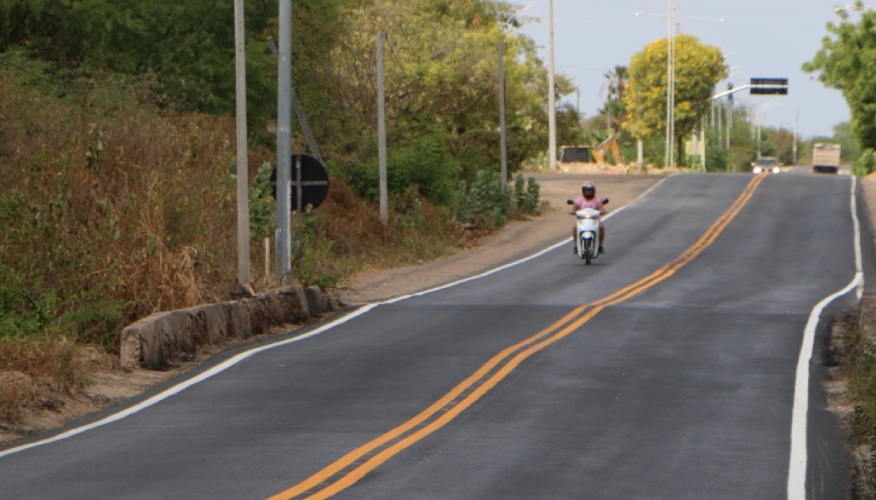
(825, 158)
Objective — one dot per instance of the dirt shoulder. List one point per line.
(515, 240)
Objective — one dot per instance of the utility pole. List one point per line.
(299, 111)
(703, 142)
(381, 132)
(243, 258)
(671, 91)
(729, 118)
(503, 131)
(552, 104)
(284, 142)
(796, 134)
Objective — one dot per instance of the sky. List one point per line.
(759, 39)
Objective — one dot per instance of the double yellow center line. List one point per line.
(353, 466)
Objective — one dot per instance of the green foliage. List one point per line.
(95, 321)
(316, 257)
(118, 201)
(866, 163)
(408, 208)
(185, 49)
(847, 62)
(844, 136)
(698, 68)
(441, 75)
(569, 129)
(614, 110)
(262, 203)
(527, 195)
(426, 163)
(21, 313)
(717, 158)
(485, 202)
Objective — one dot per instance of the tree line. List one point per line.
(441, 68)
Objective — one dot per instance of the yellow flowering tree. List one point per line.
(698, 69)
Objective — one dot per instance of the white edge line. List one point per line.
(525, 259)
(797, 469)
(491, 271)
(176, 389)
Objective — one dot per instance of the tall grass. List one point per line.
(112, 209)
(108, 213)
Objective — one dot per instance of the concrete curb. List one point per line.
(153, 342)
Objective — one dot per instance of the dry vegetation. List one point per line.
(112, 209)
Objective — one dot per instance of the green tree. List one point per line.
(441, 70)
(614, 109)
(847, 62)
(698, 68)
(184, 49)
(843, 134)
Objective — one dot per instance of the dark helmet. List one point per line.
(588, 190)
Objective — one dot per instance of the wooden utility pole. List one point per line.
(381, 131)
(503, 131)
(552, 100)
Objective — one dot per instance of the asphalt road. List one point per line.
(667, 369)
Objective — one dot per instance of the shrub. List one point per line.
(109, 214)
(426, 163)
(866, 163)
(262, 204)
(485, 203)
(527, 195)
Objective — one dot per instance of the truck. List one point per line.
(825, 158)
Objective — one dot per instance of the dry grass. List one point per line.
(41, 374)
(112, 210)
(109, 213)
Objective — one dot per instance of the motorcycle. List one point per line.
(587, 232)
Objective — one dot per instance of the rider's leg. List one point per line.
(601, 234)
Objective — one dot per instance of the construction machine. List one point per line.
(608, 145)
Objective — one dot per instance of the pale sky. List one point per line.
(759, 38)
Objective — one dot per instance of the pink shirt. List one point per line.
(595, 203)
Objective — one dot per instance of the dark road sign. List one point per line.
(769, 86)
(314, 182)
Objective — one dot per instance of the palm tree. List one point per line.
(614, 110)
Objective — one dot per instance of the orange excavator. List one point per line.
(608, 145)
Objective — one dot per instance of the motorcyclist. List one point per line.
(588, 199)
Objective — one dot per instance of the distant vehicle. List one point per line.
(825, 158)
(766, 164)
